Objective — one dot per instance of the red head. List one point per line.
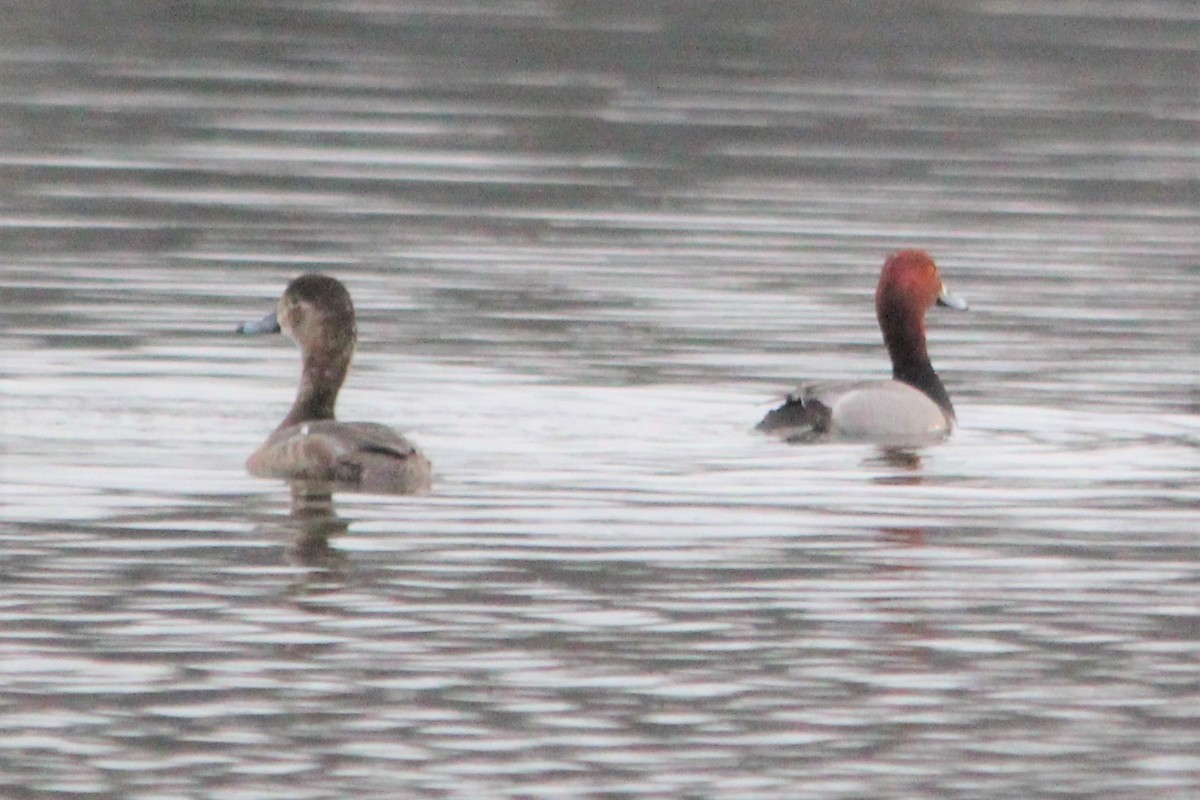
(909, 286)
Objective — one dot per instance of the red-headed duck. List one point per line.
(310, 445)
(913, 407)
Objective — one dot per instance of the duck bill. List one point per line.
(945, 298)
(268, 324)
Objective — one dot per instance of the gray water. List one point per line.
(590, 245)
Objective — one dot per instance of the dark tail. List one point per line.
(797, 420)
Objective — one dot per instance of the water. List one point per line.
(590, 244)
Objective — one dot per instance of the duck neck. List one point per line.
(321, 377)
(904, 336)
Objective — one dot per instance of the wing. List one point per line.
(363, 455)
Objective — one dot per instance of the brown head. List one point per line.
(317, 313)
(909, 286)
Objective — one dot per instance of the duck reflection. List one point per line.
(902, 537)
(904, 466)
(314, 521)
(907, 460)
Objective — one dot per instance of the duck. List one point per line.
(912, 408)
(310, 445)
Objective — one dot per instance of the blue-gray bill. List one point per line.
(268, 324)
(948, 300)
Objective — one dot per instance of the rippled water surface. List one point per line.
(590, 244)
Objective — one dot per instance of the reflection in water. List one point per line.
(907, 464)
(900, 458)
(905, 537)
(314, 521)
